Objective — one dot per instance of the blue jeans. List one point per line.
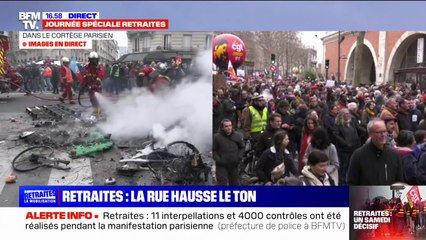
(47, 83)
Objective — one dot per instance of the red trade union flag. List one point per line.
(413, 195)
(231, 72)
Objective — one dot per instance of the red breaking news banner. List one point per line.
(107, 24)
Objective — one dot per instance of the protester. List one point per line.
(309, 127)
(228, 150)
(265, 139)
(375, 163)
(255, 117)
(321, 142)
(274, 156)
(346, 140)
(405, 148)
(315, 173)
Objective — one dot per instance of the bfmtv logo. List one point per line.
(237, 46)
(39, 196)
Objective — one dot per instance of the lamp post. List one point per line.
(286, 56)
(338, 58)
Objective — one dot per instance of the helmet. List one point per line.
(93, 55)
(257, 96)
(65, 59)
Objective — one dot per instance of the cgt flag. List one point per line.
(231, 72)
(413, 195)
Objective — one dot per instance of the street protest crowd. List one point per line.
(302, 132)
(117, 76)
(405, 217)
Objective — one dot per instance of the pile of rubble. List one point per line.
(137, 161)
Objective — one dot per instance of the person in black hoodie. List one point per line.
(228, 151)
(273, 157)
(265, 139)
(375, 163)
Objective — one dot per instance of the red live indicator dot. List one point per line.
(96, 216)
(24, 44)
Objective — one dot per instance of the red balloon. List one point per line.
(228, 47)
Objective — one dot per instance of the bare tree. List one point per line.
(358, 57)
(287, 47)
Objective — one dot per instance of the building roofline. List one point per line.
(332, 37)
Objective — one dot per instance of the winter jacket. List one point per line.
(372, 166)
(265, 140)
(309, 179)
(241, 103)
(268, 161)
(421, 164)
(228, 151)
(404, 120)
(386, 113)
(361, 130)
(415, 118)
(227, 109)
(329, 122)
(346, 137)
(331, 153)
(409, 164)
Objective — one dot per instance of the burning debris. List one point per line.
(143, 159)
(51, 112)
(177, 163)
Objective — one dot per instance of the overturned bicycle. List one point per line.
(178, 162)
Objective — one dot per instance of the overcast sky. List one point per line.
(309, 39)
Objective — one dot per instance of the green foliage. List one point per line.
(310, 73)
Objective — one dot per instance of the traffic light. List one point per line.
(327, 63)
(273, 58)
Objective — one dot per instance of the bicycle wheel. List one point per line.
(30, 158)
(182, 149)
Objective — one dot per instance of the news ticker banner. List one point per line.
(176, 223)
(85, 21)
(178, 212)
(182, 196)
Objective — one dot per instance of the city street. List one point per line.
(93, 170)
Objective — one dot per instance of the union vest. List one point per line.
(68, 75)
(258, 123)
(400, 212)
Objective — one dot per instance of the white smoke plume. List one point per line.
(182, 113)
